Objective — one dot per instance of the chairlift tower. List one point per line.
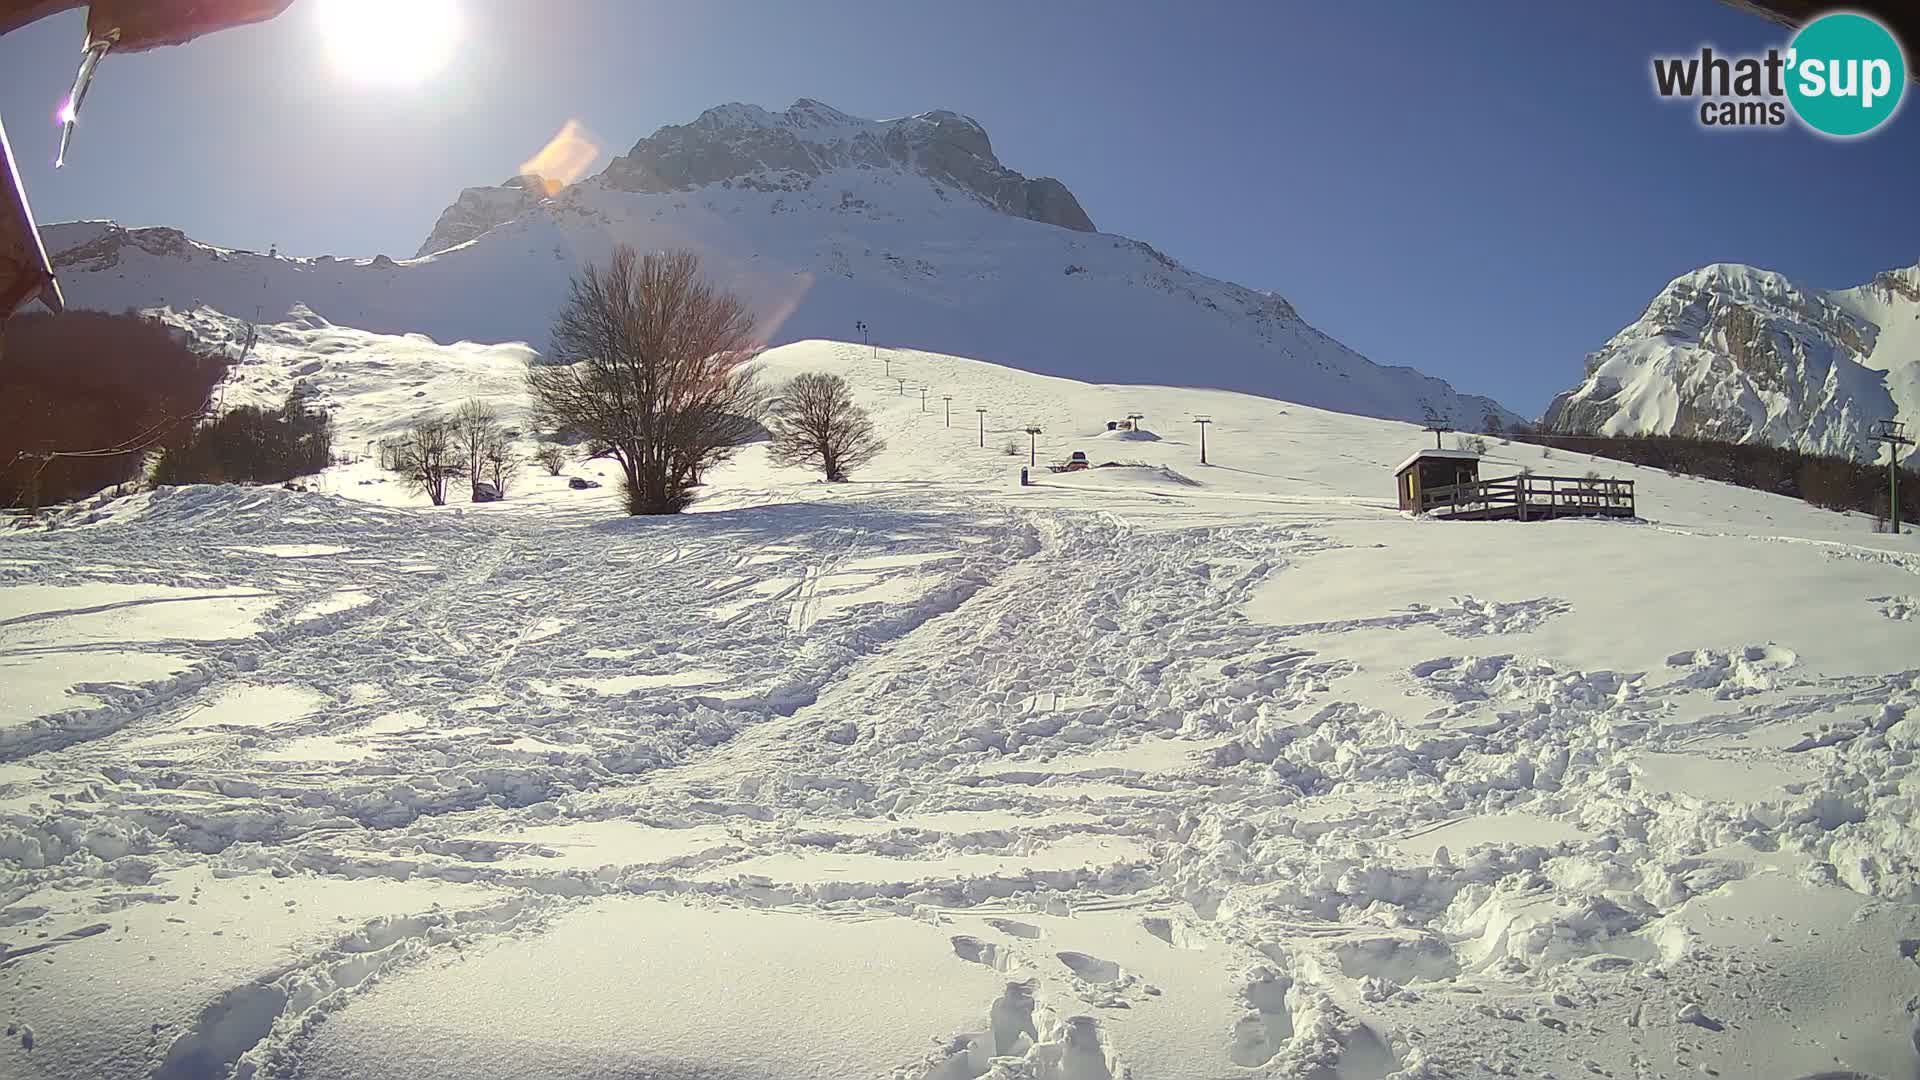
(948, 398)
(1033, 446)
(982, 410)
(1894, 434)
(1203, 421)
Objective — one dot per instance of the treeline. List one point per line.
(1834, 483)
(85, 396)
(251, 445)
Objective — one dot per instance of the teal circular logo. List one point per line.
(1845, 74)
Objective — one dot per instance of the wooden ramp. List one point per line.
(1530, 498)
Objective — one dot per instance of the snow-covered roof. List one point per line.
(1435, 452)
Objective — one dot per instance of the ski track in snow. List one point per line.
(1149, 834)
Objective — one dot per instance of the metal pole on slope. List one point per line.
(903, 386)
(1893, 433)
(923, 399)
(1033, 447)
(981, 409)
(948, 398)
(1203, 422)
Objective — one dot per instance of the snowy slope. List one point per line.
(911, 226)
(1155, 770)
(1732, 352)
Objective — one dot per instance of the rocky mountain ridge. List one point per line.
(1737, 353)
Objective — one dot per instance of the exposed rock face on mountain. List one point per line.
(481, 208)
(1732, 352)
(789, 151)
(821, 221)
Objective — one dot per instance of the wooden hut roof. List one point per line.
(1432, 452)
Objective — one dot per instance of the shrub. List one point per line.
(428, 455)
(552, 457)
(1012, 448)
(1474, 443)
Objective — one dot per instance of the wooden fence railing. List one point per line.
(1530, 497)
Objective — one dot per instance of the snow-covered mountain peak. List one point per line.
(748, 146)
(803, 116)
(1736, 352)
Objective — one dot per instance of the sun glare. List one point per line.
(389, 41)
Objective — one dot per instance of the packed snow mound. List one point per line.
(823, 222)
(1747, 355)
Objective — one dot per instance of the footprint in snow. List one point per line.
(1091, 968)
(970, 948)
(1015, 927)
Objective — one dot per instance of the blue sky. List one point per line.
(1485, 191)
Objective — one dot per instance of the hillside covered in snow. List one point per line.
(911, 226)
(1154, 770)
(1745, 355)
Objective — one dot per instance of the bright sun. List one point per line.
(389, 41)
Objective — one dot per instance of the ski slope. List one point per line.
(1155, 770)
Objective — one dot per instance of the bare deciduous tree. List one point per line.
(428, 455)
(552, 457)
(500, 463)
(652, 364)
(815, 423)
(476, 427)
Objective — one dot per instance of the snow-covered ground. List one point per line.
(1155, 770)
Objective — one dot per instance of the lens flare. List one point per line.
(566, 157)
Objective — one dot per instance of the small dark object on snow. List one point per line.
(581, 483)
(484, 491)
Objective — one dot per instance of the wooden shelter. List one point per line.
(1447, 484)
(1431, 469)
